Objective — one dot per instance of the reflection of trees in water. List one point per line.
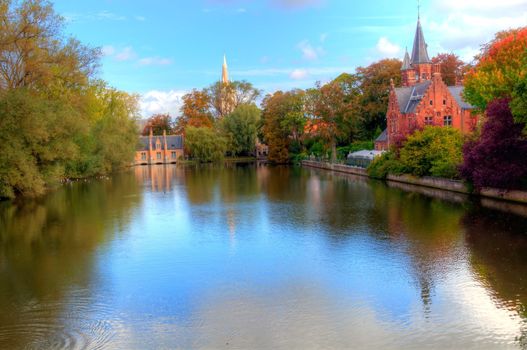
(498, 255)
(47, 247)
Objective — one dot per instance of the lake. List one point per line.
(251, 256)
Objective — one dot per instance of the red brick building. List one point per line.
(164, 149)
(424, 99)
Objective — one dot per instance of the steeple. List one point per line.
(407, 64)
(420, 50)
(225, 71)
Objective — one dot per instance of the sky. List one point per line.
(162, 49)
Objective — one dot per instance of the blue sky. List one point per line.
(162, 49)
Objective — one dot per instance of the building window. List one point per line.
(429, 120)
(444, 102)
(173, 155)
(447, 120)
(423, 76)
(143, 156)
(431, 102)
(158, 155)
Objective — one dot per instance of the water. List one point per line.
(260, 257)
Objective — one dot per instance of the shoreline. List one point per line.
(455, 186)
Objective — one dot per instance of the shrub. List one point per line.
(497, 158)
(433, 151)
(384, 165)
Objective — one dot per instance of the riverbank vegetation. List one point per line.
(58, 120)
(493, 156)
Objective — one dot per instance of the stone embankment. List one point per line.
(430, 182)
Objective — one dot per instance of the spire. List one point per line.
(225, 71)
(420, 50)
(407, 64)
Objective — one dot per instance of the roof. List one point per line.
(407, 64)
(383, 137)
(409, 97)
(174, 142)
(457, 93)
(366, 154)
(420, 50)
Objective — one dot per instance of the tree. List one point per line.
(204, 144)
(500, 72)
(194, 111)
(241, 129)
(497, 158)
(453, 69)
(283, 121)
(334, 113)
(158, 123)
(373, 82)
(224, 98)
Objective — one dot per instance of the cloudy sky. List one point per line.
(161, 49)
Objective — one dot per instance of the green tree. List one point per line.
(224, 98)
(241, 129)
(205, 144)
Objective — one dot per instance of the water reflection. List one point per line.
(253, 256)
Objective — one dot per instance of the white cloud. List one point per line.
(299, 74)
(154, 61)
(108, 50)
(387, 48)
(309, 52)
(156, 101)
(297, 4)
(468, 24)
(140, 18)
(125, 54)
(323, 37)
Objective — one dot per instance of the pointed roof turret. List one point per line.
(420, 49)
(407, 64)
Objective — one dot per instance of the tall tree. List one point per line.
(158, 123)
(194, 111)
(453, 69)
(241, 129)
(224, 98)
(335, 113)
(374, 84)
(500, 72)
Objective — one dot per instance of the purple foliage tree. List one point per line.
(499, 157)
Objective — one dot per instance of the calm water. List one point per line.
(258, 257)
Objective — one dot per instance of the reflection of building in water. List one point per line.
(164, 149)
(161, 177)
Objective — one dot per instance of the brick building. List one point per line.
(423, 99)
(164, 149)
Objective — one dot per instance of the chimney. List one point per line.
(436, 69)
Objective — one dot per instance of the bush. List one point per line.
(497, 158)
(433, 151)
(205, 144)
(384, 165)
(342, 152)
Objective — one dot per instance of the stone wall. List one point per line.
(429, 182)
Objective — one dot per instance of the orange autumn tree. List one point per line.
(158, 123)
(194, 111)
(453, 69)
(334, 112)
(500, 72)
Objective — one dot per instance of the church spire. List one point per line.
(225, 71)
(420, 49)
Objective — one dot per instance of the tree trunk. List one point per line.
(333, 151)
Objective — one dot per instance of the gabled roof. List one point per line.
(174, 142)
(457, 93)
(407, 64)
(420, 50)
(383, 137)
(409, 97)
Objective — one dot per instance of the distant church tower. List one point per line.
(225, 72)
(418, 67)
(227, 94)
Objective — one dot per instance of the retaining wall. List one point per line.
(430, 182)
